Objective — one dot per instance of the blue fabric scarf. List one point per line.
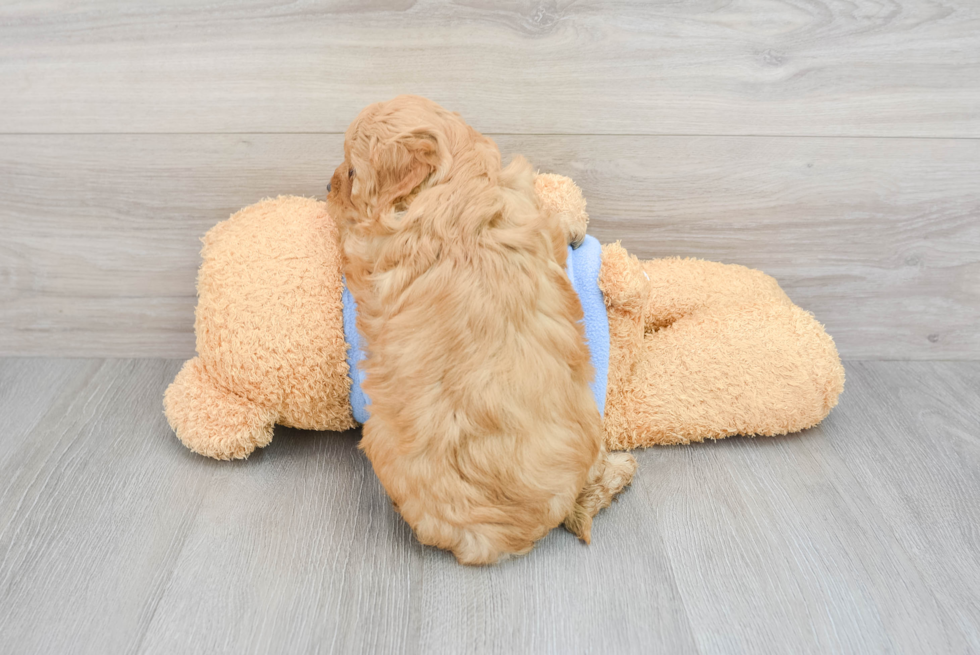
(582, 269)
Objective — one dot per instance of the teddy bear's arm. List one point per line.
(562, 197)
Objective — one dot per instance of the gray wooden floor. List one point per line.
(857, 536)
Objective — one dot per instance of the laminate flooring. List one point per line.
(860, 535)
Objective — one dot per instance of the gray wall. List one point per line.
(834, 145)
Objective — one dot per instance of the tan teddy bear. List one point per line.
(697, 350)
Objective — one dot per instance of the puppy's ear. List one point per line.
(405, 161)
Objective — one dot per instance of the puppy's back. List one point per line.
(483, 427)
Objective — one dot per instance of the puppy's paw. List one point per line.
(610, 475)
(579, 523)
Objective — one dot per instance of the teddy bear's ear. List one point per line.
(404, 162)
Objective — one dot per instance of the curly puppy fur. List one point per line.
(483, 429)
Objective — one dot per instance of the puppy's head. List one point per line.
(392, 151)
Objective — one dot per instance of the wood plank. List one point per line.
(857, 536)
(28, 387)
(831, 540)
(902, 68)
(300, 547)
(880, 238)
(94, 507)
(918, 462)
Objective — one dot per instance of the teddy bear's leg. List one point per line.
(724, 352)
(762, 369)
(681, 287)
(214, 422)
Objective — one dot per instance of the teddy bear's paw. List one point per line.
(562, 197)
(214, 422)
(622, 279)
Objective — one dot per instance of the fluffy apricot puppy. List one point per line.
(483, 429)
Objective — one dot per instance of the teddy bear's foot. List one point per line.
(610, 474)
(214, 422)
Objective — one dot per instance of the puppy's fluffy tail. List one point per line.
(607, 477)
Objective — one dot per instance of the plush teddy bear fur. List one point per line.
(698, 350)
(701, 350)
(270, 336)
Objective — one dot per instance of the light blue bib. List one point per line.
(582, 269)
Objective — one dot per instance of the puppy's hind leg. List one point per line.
(607, 477)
